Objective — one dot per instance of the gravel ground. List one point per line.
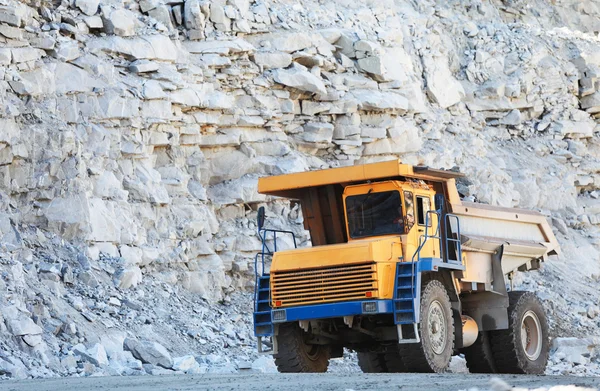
(254, 381)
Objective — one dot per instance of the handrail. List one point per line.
(265, 252)
(457, 240)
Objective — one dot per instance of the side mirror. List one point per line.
(260, 219)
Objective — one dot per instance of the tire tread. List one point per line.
(505, 346)
(289, 358)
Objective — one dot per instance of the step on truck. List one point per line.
(401, 271)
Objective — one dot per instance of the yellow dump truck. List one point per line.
(401, 271)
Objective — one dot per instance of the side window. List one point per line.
(410, 209)
(423, 206)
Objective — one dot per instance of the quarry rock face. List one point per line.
(132, 135)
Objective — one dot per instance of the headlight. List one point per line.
(369, 307)
(279, 316)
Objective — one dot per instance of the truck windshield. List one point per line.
(374, 214)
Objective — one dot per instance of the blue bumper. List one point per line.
(333, 310)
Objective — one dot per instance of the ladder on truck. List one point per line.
(407, 292)
(263, 323)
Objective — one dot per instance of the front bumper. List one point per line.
(332, 310)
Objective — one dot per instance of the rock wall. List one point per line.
(134, 132)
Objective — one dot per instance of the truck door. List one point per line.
(411, 236)
(416, 207)
(427, 223)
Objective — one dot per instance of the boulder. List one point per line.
(143, 66)
(94, 22)
(163, 15)
(576, 350)
(5, 56)
(149, 352)
(88, 7)
(120, 22)
(186, 364)
(23, 326)
(95, 355)
(318, 132)
(151, 47)
(11, 32)
(270, 60)
(298, 77)
(125, 278)
(380, 100)
(26, 54)
(10, 238)
(574, 129)
(66, 51)
(68, 216)
(284, 42)
(442, 87)
(70, 79)
(12, 15)
(194, 18)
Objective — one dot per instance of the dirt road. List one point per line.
(289, 382)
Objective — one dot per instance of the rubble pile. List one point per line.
(132, 134)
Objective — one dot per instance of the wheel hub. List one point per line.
(437, 327)
(531, 335)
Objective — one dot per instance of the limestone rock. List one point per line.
(223, 47)
(10, 238)
(317, 132)
(442, 87)
(380, 100)
(269, 60)
(88, 7)
(163, 15)
(158, 47)
(23, 326)
(125, 278)
(120, 22)
(149, 352)
(11, 15)
(143, 66)
(299, 78)
(95, 355)
(284, 42)
(185, 364)
(67, 51)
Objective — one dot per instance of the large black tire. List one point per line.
(393, 360)
(295, 355)
(370, 362)
(436, 327)
(524, 347)
(479, 355)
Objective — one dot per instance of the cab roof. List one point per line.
(283, 185)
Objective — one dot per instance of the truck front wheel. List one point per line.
(295, 355)
(371, 362)
(436, 327)
(524, 346)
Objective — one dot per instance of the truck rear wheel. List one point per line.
(479, 355)
(436, 327)
(295, 355)
(370, 362)
(522, 348)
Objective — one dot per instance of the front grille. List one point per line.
(323, 285)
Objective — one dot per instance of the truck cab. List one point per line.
(387, 276)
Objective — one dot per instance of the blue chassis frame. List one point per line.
(331, 310)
